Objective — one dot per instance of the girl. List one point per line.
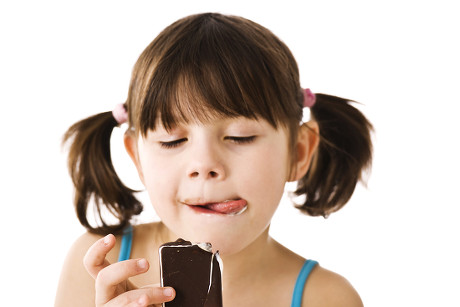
(215, 112)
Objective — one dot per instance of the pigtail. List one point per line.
(94, 177)
(344, 153)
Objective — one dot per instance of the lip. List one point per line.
(229, 207)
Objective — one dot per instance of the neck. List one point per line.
(247, 266)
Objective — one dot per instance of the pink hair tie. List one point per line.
(120, 114)
(309, 98)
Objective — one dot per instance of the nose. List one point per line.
(206, 163)
(206, 174)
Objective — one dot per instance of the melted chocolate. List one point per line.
(193, 272)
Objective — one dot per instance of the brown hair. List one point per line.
(210, 65)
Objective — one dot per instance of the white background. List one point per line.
(396, 241)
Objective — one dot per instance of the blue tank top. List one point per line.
(125, 253)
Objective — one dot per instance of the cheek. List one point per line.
(159, 176)
(266, 178)
(271, 166)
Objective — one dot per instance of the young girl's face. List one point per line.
(219, 181)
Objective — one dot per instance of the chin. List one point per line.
(223, 241)
(227, 234)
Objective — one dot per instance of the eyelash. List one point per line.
(241, 139)
(172, 144)
(235, 139)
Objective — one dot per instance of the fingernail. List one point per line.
(142, 264)
(107, 239)
(168, 292)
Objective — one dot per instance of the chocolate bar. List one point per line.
(193, 271)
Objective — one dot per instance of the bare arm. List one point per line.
(76, 286)
(89, 279)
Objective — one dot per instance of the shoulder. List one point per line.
(327, 289)
(76, 286)
(323, 288)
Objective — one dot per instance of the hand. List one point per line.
(112, 285)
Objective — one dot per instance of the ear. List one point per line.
(131, 147)
(307, 143)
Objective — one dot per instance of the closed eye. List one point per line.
(172, 144)
(241, 139)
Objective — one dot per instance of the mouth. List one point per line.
(228, 207)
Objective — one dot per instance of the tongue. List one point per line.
(228, 207)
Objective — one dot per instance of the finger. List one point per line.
(157, 285)
(109, 278)
(143, 297)
(94, 259)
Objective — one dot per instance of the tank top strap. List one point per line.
(300, 283)
(126, 243)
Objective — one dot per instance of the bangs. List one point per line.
(210, 66)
